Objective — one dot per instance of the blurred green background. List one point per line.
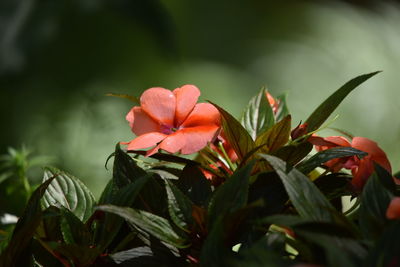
(58, 59)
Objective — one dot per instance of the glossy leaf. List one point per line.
(276, 136)
(68, 192)
(17, 251)
(323, 111)
(258, 115)
(236, 135)
(179, 207)
(304, 195)
(149, 223)
(232, 195)
(326, 155)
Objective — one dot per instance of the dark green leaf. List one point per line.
(261, 254)
(304, 195)
(276, 136)
(16, 253)
(179, 207)
(237, 136)
(294, 153)
(326, 155)
(194, 185)
(165, 157)
(334, 185)
(125, 169)
(214, 252)
(330, 104)
(108, 229)
(73, 230)
(375, 199)
(258, 115)
(68, 192)
(337, 251)
(387, 250)
(232, 195)
(148, 222)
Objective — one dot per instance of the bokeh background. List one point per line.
(58, 59)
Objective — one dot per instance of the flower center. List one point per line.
(165, 129)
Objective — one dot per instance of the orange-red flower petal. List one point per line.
(140, 122)
(146, 140)
(159, 104)
(202, 114)
(393, 210)
(186, 98)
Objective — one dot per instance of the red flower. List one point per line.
(393, 210)
(360, 168)
(172, 121)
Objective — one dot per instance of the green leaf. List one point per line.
(148, 222)
(179, 207)
(336, 251)
(283, 110)
(375, 199)
(294, 153)
(318, 117)
(260, 254)
(232, 195)
(387, 248)
(108, 229)
(276, 136)
(237, 136)
(304, 195)
(334, 185)
(134, 99)
(326, 155)
(258, 115)
(194, 185)
(73, 230)
(214, 251)
(68, 192)
(125, 169)
(17, 251)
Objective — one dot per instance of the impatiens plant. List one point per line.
(255, 193)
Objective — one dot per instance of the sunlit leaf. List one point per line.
(258, 115)
(323, 111)
(276, 136)
(68, 192)
(283, 110)
(237, 136)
